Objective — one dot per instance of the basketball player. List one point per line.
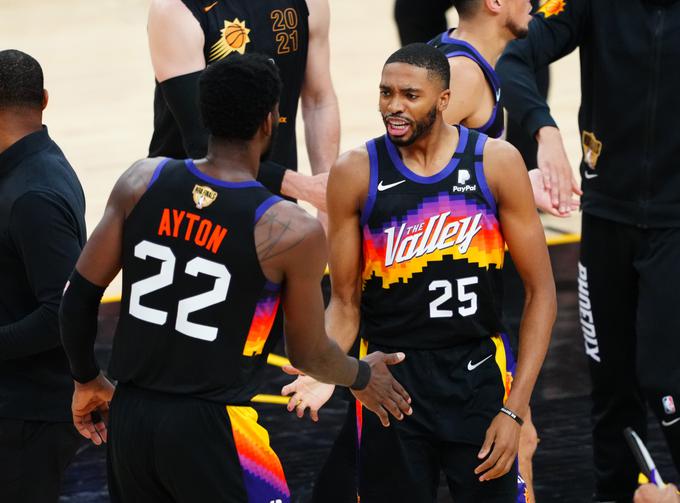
(187, 35)
(207, 253)
(416, 252)
(485, 28)
(630, 236)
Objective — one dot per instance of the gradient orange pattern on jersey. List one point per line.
(263, 475)
(486, 246)
(263, 319)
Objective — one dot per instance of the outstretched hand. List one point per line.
(543, 196)
(558, 178)
(308, 393)
(384, 394)
(90, 408)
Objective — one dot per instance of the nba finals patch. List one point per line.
(551, 7)
(234, 38)
(204, 196)
(591, 149)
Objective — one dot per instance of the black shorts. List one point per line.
(456, 392)
(176, 448)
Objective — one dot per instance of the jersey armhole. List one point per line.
(264, 206)
(372, 182)
(157, 172)
(479, 172)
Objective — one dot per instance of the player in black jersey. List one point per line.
(416, 251)
(187, 35)
(207, 254)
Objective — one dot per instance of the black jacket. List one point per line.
(42, 230)
(630, 100)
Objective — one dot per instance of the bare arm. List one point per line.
(525, 238)
(509, 182)
(175, 40)
(319, 103)
(347, 189)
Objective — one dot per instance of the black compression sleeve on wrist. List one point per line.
(363, 376)
(78, 325)
(271, 176)
(181, 95)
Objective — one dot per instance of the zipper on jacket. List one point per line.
(650, 131)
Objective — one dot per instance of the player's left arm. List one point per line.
(508, 180)
(97, 265)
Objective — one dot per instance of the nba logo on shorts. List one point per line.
(668, 404)
(463, 176)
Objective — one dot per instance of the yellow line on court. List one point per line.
(565, 239)
(275, 399)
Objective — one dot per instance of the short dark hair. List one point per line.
(237, 93)
(465, 8)
(21, 80)
(424, 56)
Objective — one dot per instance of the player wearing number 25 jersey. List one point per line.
(207, 254)
(418, 223)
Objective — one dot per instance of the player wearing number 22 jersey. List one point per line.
(207, 255)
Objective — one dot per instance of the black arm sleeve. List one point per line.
(78, 324)
(181, 95)
(271, 176)
(552, 35)
(46, 237)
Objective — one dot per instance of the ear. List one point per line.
(443, 101)
(268, 124)
(494, 6)
(46, 98)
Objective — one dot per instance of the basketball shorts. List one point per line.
(456, 392)
(175, 448)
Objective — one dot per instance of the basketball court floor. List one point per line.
(98, 73)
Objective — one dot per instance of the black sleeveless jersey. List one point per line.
(196, 310)
(432, 250)
(452, 48)
(277, 28)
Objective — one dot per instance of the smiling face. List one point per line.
(411, 100)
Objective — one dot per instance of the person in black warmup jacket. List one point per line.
(42, 230)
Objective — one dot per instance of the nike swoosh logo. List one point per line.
(668, 423)
(473, 367)
(498, 95)
(206, 9)
(382, 187)
(590, 175)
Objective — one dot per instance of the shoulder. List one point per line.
(503, 164)
(465, 74)
(350, 173)
(133, 183)
(352, 162)
(284, 227)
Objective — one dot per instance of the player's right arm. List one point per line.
(467, 92)
(291, 247)
(347, 189)
(97, 265)
(552, 35)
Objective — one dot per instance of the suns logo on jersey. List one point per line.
(551, 7)
(203, 196)
(234, 38)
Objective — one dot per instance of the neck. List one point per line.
(426, 149)
(17, 123)
(232, 160)
(485, 35)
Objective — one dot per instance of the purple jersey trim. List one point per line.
(479, 172)
(264, 206)
(483, 62)
(372, 182)
(270, 286)
(157, 172)
(222, 183)
(448, 169)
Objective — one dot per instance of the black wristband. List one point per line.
(510, 413)
(271, 176)
(363, 376)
